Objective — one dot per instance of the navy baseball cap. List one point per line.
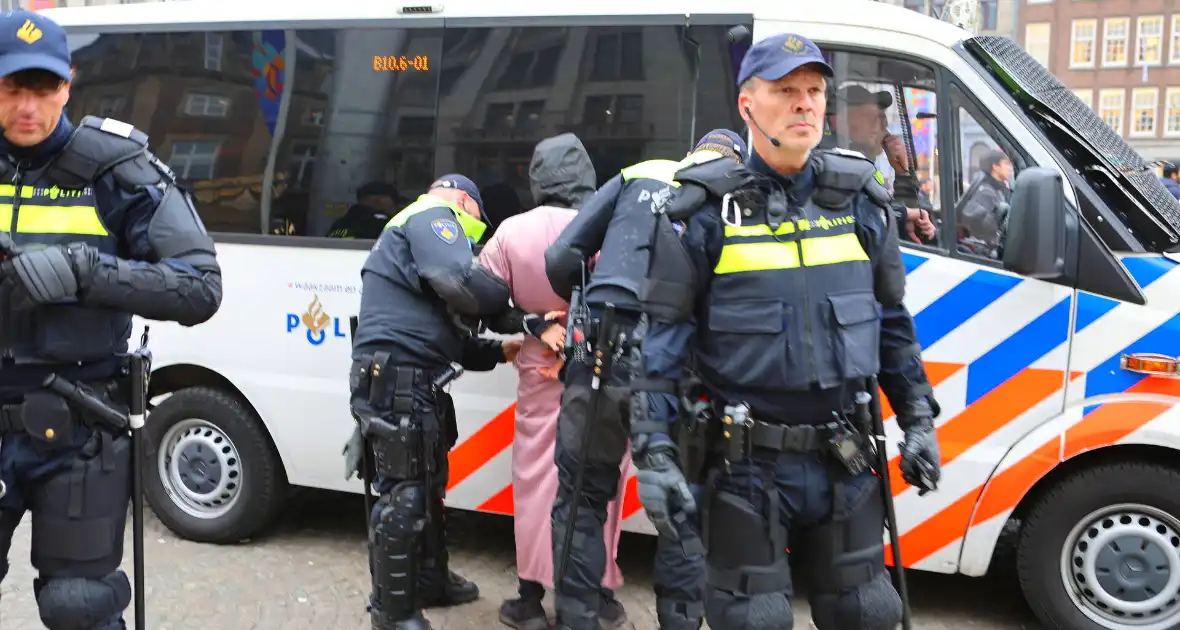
(29, 41)
(775, 57)
(460, 182)
(723, 141)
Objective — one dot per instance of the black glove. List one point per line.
(663, 490)
(49, 275)
(921, 461)
(536, 325)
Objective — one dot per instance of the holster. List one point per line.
(693, 433)
(399, 439)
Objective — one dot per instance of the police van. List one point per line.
(1053, 363)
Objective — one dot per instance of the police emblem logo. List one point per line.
(794, 45)
(28, 32)
(445, 230)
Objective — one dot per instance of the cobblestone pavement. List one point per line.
(309, 574)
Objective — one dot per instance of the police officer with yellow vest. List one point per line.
(790, 300)
(94, 231)
(617, 221)
(418, 286)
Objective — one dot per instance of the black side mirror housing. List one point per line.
(1041, 232)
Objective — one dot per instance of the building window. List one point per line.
(990, 14)
(1172, 112)
(613, 110)
(1085, 96)
(111, 106)
(1149, 38)
(536, 68)
(214, 46)
(1110, 108)
(1175, 50)
(206, 105)
(1144, 106)
(1037, 43)
(528, 116)
(194, 160)
(1081, 43)
(1114, 41)
(313, 117)
(618, 57)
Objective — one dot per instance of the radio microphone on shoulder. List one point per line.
(773, 140)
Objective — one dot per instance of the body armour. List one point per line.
(623, 261)
(793, 307)
(47, 207)
(399, 313)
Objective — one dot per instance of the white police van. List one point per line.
(1052, 365)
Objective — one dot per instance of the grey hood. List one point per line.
(561, 173)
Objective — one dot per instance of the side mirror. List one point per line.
(1040, 229)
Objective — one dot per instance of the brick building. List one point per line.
(1121, 57)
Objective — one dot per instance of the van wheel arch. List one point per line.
(232, 424)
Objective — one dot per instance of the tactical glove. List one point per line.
(663, 490)
(48, 275)
(921, 462)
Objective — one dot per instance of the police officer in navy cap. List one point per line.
(617, 223)
(784, 297)
(422, 295)
(95, 231)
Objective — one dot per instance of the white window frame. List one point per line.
(1107, 62)
(1074, 40)
(214, 49)
(1101, 110)
(1174, 53)
(204, 105)
(1085, 95)
(1048, 43)
(1154, 94)
(1170, 95)
(1139, 41)
(182, 163)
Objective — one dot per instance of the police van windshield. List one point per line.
(1119, 193)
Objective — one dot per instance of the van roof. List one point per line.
(239, 15)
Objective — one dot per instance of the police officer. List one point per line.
(792, 297)
(96, 231)
(375, 203)
(418, 285)
(616, 221)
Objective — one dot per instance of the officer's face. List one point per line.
(790, 110)
(864, 125)
(31, 103)
(380, 203)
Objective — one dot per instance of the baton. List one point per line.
(603, 353)
(872, 404)
(353, 322)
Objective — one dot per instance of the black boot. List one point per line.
(438, 586)
(524, 614)
(611, 614)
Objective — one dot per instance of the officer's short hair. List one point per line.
(990, 161)
(1170, 169)
(373, 189)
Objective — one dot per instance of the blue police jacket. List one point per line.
(420, 274)
(790, 318)
(131, 233)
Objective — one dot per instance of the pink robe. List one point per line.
(516, 253)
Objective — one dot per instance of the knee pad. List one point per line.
(743, 557)
(846, 561)
(79, 514)
(81, 603)
(767, 611)
(398, 519)
(874, 605)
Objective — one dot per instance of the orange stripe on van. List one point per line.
(499, 503)
(936, 373)
(1104, 426)
(487, 442)
(987, 415)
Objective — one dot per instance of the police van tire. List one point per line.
(1073, 570)
(210, 424)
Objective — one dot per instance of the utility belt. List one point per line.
(402, 441)
(59, 407)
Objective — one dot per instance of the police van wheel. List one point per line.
(211, 474)
(1101, 550)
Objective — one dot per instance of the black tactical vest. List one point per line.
(794, 306)
(49, 207)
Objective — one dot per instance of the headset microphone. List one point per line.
(772, 139)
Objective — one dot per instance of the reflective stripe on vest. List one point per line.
(665, 170)
(756, 248)
(50, 211)
(472, 226)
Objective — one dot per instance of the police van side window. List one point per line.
(984, 171)
(885, 108)
(275, 132)
(625, 91)
(717, 60)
